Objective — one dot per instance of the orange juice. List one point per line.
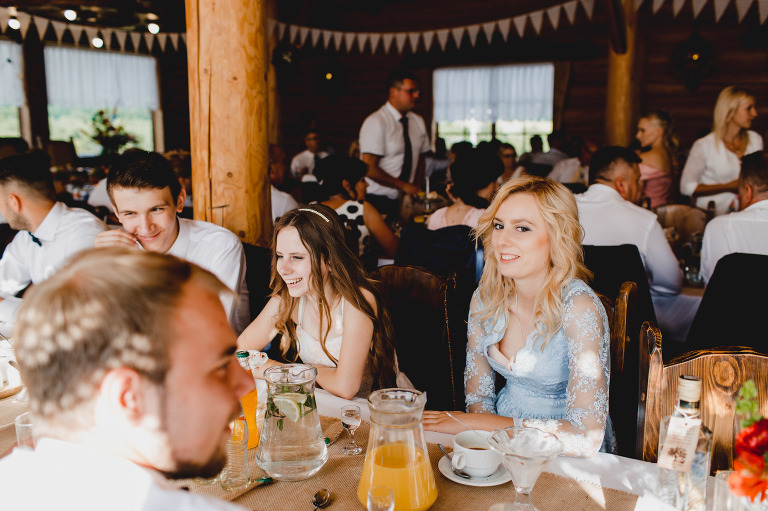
(403, 468)
(249, 402)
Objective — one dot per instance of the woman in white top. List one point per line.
(325, 307)
(711, 172)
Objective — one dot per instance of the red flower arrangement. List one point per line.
(750, 477)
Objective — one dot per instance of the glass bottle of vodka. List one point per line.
(684, 485)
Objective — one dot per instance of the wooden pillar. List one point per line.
(272, 94)
(227, 59)
(622, 87)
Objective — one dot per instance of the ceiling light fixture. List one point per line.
(70, 14)
(13, 21)
(97, 41)
(153, 28)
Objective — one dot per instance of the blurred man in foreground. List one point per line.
(129, 362)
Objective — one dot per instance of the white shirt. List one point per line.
(219, 251)
(305, 159)
(551, 157)
(382, 136)
(608, 219)
(99, 195)
(63, 475)
(570, 171)
(282, 203)
(64, 232)
(709, 163)
(744, 231)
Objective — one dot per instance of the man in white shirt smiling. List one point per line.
(132, 379)
(146, 198)
(747, 230)
(51, 232)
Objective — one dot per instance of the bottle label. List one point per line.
(679, 446)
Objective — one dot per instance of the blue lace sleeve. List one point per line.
(479, 378)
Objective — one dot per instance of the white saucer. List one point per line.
(501, 476)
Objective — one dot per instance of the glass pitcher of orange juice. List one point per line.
(397, 452)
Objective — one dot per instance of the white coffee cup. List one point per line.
(472, 454)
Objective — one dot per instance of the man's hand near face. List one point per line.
(115, 238)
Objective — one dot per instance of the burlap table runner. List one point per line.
(9, 410)
(341, 475)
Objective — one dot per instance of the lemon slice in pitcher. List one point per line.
(290, 404)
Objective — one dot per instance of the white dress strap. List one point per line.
(301, 310)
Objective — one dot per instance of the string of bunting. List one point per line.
(389, 40)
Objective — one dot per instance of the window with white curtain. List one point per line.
(11, 88)
(82, 82)
(511, 102)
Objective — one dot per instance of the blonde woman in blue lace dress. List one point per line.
(535, 321)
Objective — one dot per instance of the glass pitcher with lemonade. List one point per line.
(397, 451)
(292, 445)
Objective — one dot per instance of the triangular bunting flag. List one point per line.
(91, 32)
(41, 24)
(349, 39)
(173, 38)
(519, 25)
(58, 29)
(677, 6)
(400, 41)
(428, 38)
(135, 39)
(293, 30)
(570, 10)
(314, 36)
(4, 16)
(657, 5)
(504, 26)
(303, 33)
(361, 39)
(720, 6)
(762, 7)
(280, 30)
(107, 38)
(386, 40)
(473, 30)
(326, 38)
(337, 36)
(413, 38)
(536, 19)
(161, 39)
(553, 13)
(149, 39)
(442, 37)
(25, 20)
(458, 34)
(122, 34)
(742, 6)
(698, 5)
(184, 38)
(638, 3)
(374, 41)
(488, 30)
(589, 7)
(271, 24)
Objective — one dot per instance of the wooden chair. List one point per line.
(429, 316)
(723, 371)
(685, 219)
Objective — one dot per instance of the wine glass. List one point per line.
(381, 498)
(525, 452)
(350, 419)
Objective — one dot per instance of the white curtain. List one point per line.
(515, 92)
(98, 79)
(11, 85)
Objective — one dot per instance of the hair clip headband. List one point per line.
(317, 213)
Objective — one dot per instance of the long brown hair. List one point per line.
(322, 234)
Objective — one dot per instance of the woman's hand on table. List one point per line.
(443, 423)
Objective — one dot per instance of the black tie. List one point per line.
(35, 239)
(405, 174)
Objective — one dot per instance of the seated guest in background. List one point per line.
(436, 163)
(129, 362)
(747, 230)
(658, 148)
(537, 148)
(475, 180)
(146, 197)
(508, 157)
(282, 202)
(303, 164)
(575, 170)
(342, 181)
(327, 310)
(610, 216)
(354, 150)
(53, 232)
(535, 321)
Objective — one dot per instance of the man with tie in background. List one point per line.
(50, 231)
(392, 142)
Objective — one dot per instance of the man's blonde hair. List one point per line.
(108, 308)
